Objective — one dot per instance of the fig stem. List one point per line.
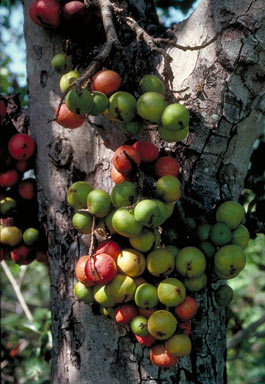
(93, 269)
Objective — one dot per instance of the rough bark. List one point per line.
(221, 83)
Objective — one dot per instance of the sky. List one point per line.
(17, 52)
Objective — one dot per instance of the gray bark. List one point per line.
(221, 83)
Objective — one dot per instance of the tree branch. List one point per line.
(244, 334)
(17, 291)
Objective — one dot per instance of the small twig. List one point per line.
(150, 41)
(17, 291)
(244, 334)
(91, 246)
(188, 47)
(93, 269)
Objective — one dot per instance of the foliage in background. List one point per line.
(246, 362)
(26, 346)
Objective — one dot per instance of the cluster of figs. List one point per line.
(105, 97)
(51, 14)
(133, 276)
(19, 230)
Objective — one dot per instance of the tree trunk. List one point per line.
(217, 71)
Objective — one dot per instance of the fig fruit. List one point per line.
(162, 324)
(151, 83)
(171, 292)
(77, 194)
(150, 106)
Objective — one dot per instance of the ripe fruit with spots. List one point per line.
(68, 119)
(110, 247)
(125, 313)
(148, 151)
(100, 268)
(166, 165)
(118, 177)
(186, 310)
(124, 223)
(229, 261)
(178, 345)
(171, 292)
(131, 262)
(77, 194)
(162, 324)
(106, 81)
(160, 262)
(150, 106)
(190, 262)
(185, 327)
(161, 357)
(146, 296)
(126, 159)
(45, 13)
(80, 273)
(21, 146)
